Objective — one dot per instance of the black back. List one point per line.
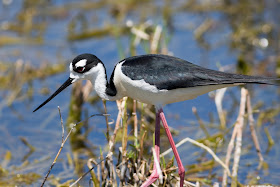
(167, 72)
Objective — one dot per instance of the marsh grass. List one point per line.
(126, 159)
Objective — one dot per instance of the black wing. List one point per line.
(167, 72)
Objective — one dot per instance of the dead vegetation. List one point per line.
(126, 160)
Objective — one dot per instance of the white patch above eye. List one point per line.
(81, 63)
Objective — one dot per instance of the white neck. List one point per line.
(98, 78)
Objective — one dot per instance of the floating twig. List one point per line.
(237, 136)
(253, 131)
(156, 38)
(218, 101)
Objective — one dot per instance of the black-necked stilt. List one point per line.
(156, 80)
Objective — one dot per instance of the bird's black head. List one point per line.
(84, 62)
(82, 67)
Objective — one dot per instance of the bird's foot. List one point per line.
(153, 177)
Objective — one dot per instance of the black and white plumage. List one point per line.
(156, 80)
(153, 79)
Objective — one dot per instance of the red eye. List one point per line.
(80, 69)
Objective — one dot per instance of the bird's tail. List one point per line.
(241, 79)
(262, 80)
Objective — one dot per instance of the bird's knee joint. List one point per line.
(182, 172)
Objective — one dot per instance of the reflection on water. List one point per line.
(39, 38)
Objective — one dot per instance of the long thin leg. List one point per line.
(181, 169)
(154, 176)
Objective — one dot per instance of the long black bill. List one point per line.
(62, 87)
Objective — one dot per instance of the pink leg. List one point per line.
(171, 141)
(154, 176)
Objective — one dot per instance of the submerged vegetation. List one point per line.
(38, 37)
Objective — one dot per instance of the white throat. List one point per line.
(98, 79)
(97, 76)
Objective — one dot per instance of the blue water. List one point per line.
(42, 129)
